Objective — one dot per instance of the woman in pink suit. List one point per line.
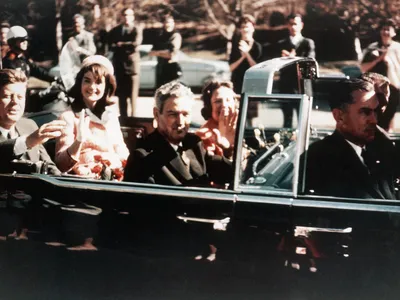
(92, 144)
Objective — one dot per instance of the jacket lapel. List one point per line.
(175, 165)
(361, 172)
(180, 168)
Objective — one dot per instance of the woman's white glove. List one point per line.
(83, 127)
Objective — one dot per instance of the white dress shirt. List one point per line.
(358, 150)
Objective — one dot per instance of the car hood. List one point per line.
(207, 63)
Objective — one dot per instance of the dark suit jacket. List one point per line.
(334, 168)
(34, 155)
(13, 61)
(157, 162)
(306, 47)
(127, 57)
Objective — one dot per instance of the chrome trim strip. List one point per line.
(301, 139)
(265, 192)
(346, 205)
(132, 188)
(274, 96)
(266, 200)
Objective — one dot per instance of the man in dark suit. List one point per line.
(295, 44)
(20, 139)
(358, 160)
(123, 42)
(171, 155)
(21, 148)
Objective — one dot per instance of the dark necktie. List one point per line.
(12, 134)
(184, 157)
(367, 158)
(8, 136)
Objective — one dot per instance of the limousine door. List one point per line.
(271, 139)
(352, 244)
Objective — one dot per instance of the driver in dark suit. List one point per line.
(171, 155)
(358, 160)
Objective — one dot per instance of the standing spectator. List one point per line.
(295, 44)
(84, 40)
(389, 98)
(17, 39)
(383, 56)
(4, 29)
(245, 52)
(166, 49)
(124, 40)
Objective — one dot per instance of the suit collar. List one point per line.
(4, 132)
(352, 161)
(177, 166)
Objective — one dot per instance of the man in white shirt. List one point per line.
(21, 141)
(82, 40)
(296, 44)
(358, 160)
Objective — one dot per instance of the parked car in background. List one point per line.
(196, 71)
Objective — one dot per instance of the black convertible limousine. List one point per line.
(273, 240)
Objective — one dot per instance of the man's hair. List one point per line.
(246, 19)
(79, 16)
(127, 8)
(174, 89)
(374, 78)
(387, 23)
(5, 24)
(207, 93)
(8, 76)
(293, 16)
(166, 17)
(342, 92)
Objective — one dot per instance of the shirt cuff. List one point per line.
(20, 146)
